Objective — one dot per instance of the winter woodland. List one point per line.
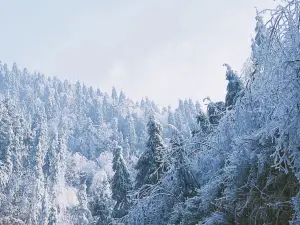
(73, 155)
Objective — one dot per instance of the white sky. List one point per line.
(163, 49)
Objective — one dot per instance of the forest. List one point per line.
(73, 155)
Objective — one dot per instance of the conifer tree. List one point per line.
(215, 112)
(127, 150)
(185, 183)
(203, 122)
(121, 183)
(122, 99)
(234, 86)
(260, 37)
(6, 136)
(198, 107)
(150, 165)
(82, 211)
(171, 118)
(129, 131)
(114, 94)
(53, 220)
(192, 107)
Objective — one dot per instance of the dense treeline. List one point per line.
(71, 154)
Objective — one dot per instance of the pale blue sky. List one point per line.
(163, 49)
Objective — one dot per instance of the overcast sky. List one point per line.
(163, 49)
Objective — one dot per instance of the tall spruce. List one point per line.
(150, 165)
(121, 183)
(185, 182)
(234, 86)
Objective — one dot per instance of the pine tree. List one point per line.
(171, 118)
(234, 86)
(37, 155)
(141, 131)
(57, 172)
(122, 99)
(121, 183)
(6, 137)
(129, 131)
(185, 183)
(53, 217)
(204, 125)
(127, 150)
(150, 165)
(107, 108)
(198, 107)
(260, 37)
(192, 108)
(79, 101)
(116, 135)
(114, 95)
(101, 205)
(50, 167)
(215, 112)
(143, 104)
(44, 214)
(82, 212)
(19, 131)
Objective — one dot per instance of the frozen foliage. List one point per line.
(56, 158)
(150, 165)
(120, 184)
(234, 87)
(215, 112)
(245, 160)
(72, 155)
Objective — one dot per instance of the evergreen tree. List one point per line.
(122, 99)
(198, 107)
(6, 138)
(150, 165)
(82, 212)
(121, 183)
(114, 95)
(171, 118)
(107, 108)
(141, 131)
(79, 101)
(143, 104)
(129, 131)
(180, 106)
(260, 38)
(97, 113)
(204, 124)
(127, 150)
(53, 220)
(234, 86)
(37, 155)
(185, 183)
(187, 109)
(192, 108)
(101, 205)
(116, 135)
(215, 112)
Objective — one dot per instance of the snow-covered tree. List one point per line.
(120, 184)
(6, 138)
(234, 86)
(82, 211)
(171, 118)
(150, 165)
(129, 131)
(114, 94)
(215, 111)
(241, 165)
